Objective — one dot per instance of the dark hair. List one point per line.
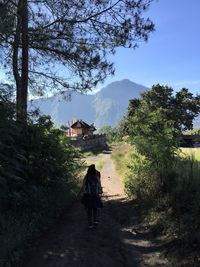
(91, 169)
(91, 173)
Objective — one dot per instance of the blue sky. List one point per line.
(172, 54)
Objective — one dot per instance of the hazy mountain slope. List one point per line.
(122, 89)
(63, 110)
(112, 101)
(105, 107)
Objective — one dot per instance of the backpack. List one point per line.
(92, 186)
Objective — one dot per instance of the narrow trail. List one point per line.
(118, 241)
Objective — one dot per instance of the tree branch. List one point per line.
(62, 20)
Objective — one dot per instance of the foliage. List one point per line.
(114, 134)
(165, 183)
(46, 39)
(192, 153)
(194, 131)
(177, 213)
(151, 171)
(121, 155)
(106, 129)
(38, 177)
(186, 197)
(181, 107)
(152, 132)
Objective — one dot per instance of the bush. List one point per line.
(186, 197)
(172, 203)
(166, 185)
(38, 176)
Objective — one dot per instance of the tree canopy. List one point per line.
(180, 108)
(64, 44)
(162, 177)
(114, 134)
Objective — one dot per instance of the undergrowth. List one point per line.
(39, 179)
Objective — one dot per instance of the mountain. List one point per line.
(105, 107)
(62, 110)
(111, 102)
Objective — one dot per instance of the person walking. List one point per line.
(91, 197)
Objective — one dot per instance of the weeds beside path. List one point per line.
(119, 241)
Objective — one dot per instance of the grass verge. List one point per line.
(121, 156)
(193, 152)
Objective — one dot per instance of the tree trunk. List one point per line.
(21, 41)
(15, 59)
(25, 59)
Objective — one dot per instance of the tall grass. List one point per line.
(193, 152)
(174, 210)
(170, 198)
(121, 157)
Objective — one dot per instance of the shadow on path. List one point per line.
(139, 247)
(118, 241)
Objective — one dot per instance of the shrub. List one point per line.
(38, 176)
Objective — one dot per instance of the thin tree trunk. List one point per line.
(16, 63)
(21, 42)
(25, 58)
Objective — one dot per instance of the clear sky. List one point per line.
(172, 54)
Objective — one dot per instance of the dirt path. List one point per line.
(118, 241)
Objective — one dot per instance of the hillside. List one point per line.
(105, 107)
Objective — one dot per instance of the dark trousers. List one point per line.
(92, 215)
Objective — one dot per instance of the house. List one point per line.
(81, 129)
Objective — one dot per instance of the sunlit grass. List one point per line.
(83, 170)
(193, 152)
(91, 153)
(121, 156)
(98, 164)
